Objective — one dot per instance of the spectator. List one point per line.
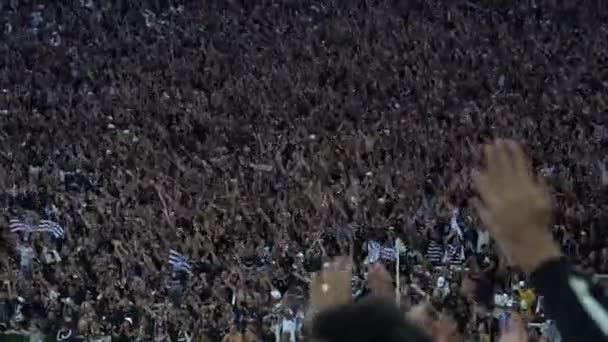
(245, 135)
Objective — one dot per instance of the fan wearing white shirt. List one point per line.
(442, 288)
(483, 239)
(288, 327)
(26, 255)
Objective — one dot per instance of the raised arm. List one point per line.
(515, 206)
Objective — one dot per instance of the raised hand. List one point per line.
(515, 206)
(331, 287)
(380, 281)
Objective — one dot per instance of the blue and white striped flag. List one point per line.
(454, 254)
(376, 251)
(387, 253)
(53, 228)
(179, 262)
(16, 226)
(600, 134)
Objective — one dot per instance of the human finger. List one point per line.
(520, 165)
(380, 281)
(504, 163)
(485, 188)
(342, 263)
(314, 288)
(339, 287)
(490, 157)
(541, 193)
(319, 292)
(321, 280)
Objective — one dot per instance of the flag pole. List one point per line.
(397, 278)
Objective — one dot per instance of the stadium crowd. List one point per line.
(177, 170)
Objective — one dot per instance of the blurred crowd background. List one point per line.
(175, 170)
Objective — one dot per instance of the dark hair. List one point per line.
(370, 319)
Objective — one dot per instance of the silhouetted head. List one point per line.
(368, 320)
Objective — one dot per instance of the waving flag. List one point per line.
(179, 262)
(387, 253)
(600, 134)
(16, 226)
(375, 252)
(53, 228)
(454, 253)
